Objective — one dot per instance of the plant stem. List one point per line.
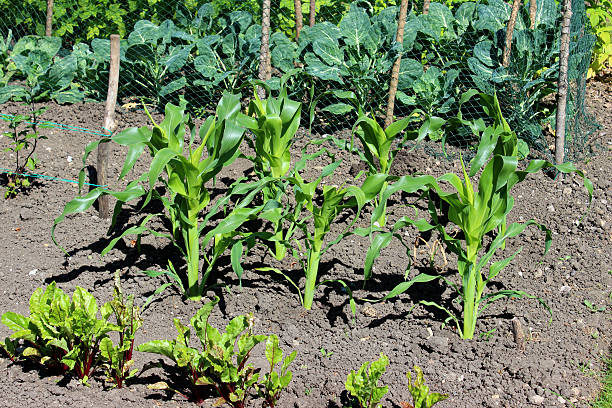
(312, 269)
(193, 257)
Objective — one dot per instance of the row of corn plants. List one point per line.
(297, 214)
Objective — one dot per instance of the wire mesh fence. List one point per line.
(336, 58)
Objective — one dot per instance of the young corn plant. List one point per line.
(61, 333)
(313, 215)
(183, 169)
(363, 384)
(380, 146)
(273, 122)
(223, 361)
(477, 213)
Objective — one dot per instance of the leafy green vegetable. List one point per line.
(421, 397)
(46, 75)
(363, 384)
(62, 333)
(118, 358)
(223, 360)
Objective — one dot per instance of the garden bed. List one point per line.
(562, 359)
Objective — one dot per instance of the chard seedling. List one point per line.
(363, 384)
(223, 361)
(118, 358)
(421, 397)
(61, 333)
(274, 382)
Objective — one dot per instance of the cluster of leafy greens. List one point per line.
(344, 66)
(66, 334)
(223, 361)
(363, 386)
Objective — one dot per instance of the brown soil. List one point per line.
(561, 363)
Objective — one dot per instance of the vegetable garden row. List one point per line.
(452, 82)
(334, 68)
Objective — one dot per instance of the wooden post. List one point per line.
(562, 84)
(533, 8)
(399, 37)
(49, 22)
(426, 6)
(109, 124)
(509, 30)
(299, 18)
(313, 11)
(264, 52)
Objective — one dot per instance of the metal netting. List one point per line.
(196, 50)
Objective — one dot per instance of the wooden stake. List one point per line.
(509, 30)
(265, 66)
(109, 124)
(299, 18)
(399, 37)
(519, 336)
(426, 6)
(533, 8)
(562, 84)
(313, 10)
(49, 22)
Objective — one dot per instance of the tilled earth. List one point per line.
(563, 356)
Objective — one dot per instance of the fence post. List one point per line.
(399, 37)
(109, 124)
(299, 18)
(509, 30)
(49, 21)
(313, 10)
(562, 84)
(426, 6)
(533, 8)
(264, 52)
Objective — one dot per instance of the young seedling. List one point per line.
(23, 135)
(274, 382)
(363, 384)
(223, 361)
(421, 397)
(592, 307)
(118, 358)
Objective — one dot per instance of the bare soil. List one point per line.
(560, 365)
